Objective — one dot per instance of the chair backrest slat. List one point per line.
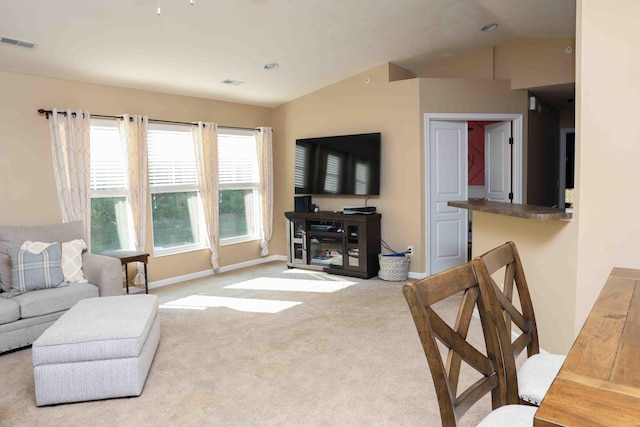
(432, 328)
(502, 307)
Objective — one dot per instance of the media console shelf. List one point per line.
(334, 242)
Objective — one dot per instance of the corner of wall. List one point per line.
(397, 72)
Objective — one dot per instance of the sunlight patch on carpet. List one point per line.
(202, 302)
(292, 285)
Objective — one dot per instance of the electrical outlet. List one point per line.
(409, 250)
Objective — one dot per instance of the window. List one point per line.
(239, 184)
(177, 223)
(173, 184)
(109, 223)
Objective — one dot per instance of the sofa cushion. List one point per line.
(9, 311)
(71, 260)
(45, 301)
(12, 236)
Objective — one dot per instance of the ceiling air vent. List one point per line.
(232, 82)
(16, 42)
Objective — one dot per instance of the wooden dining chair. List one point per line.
(487, 361)
(532, 380)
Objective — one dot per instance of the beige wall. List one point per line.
(528, 63)
(547, 251)
(545, 247)
(538, 62)
(607, 144)
(475, 65)
(566, 262)
(397, 110)
(27, 188)
(353, 106)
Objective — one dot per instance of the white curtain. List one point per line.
(265, 164)
(69, 134)
(133, 136)
(205, 140)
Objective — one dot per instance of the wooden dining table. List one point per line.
(599, 383)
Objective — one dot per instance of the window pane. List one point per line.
(176, 219)
(237, 159)
(172, 159)
(107, 170)
(237, 213)
(107, 158)
(108, 224)
(173, 183)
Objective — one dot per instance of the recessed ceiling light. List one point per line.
(489, 27)
(271, 66)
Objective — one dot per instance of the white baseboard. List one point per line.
(414, 275)
(205, 273)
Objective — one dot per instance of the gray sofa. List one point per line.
(25, 316)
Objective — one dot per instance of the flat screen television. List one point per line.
(338, 165)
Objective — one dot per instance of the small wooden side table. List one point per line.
(125, 258)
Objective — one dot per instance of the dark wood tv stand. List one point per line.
(334, 242)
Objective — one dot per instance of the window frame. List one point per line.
(112, 192)
(175, 188)
(256, 222)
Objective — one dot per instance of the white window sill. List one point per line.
(239, 239)
(157, 253)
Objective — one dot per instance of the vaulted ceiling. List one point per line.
(191, 49)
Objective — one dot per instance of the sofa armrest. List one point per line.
(104, 272)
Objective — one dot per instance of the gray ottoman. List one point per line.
(99, 349)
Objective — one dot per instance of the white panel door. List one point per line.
(497, 157)
(447, 182)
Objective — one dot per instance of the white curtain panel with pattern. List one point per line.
(69, 135)
(265, 164)
(205, 140)
(133, 136)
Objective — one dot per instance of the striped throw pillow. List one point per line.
(30, 272)
(71, 260)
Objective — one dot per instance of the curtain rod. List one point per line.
(103, 116)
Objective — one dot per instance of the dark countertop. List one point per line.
(538, 213)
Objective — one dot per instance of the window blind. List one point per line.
(237, 159)
(172, 160)
(107, 163)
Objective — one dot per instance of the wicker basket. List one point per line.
(393, 267)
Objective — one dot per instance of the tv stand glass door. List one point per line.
(326, 243)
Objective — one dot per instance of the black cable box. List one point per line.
(362, 210)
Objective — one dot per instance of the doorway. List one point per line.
(447, 163)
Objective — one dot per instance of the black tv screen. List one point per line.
(338, 165)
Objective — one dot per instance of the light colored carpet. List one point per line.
(264, 346)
